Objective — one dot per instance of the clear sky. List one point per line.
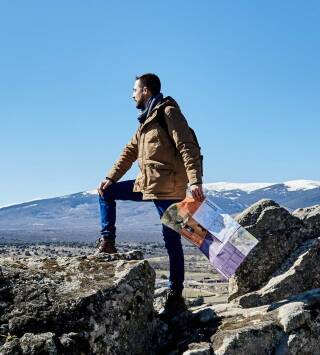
(245, 73)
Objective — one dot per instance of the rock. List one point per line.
(270, 329)
(293, 316)
(204, 315)
(33, 344)
(303, 343)
(249, 216)
(75, 343)
(195, 325)
(279, 234)
(160, 297)
(130, 255)
(310, 217)
(198, 301)
(103, 303)
(262, 338)
(162, 337)
(45, 343)
(300, 273)
(201, 348)
(10, 347)
(174, 352)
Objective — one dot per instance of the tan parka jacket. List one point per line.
(167, 163)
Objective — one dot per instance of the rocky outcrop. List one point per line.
(271, 329)
(300, 273)
(103, 305)
(76, 305)
(310, 217)
(274, 305)
(280, 234)
(289, 327)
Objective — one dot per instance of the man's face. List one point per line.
(140, 94)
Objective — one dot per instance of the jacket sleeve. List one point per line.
(128, 156)
(180, 133)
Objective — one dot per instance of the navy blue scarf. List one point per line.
(150, 105)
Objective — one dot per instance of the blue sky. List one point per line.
(246, 75)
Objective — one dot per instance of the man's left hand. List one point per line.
(197, 192)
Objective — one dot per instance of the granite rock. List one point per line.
(279, 234)
(290, 326)
(201, 348)
(299, 273)
(311, 218)
(73, 305)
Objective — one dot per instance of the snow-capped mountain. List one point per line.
(76, 216)
(234, 198)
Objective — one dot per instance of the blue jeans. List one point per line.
(124, 191)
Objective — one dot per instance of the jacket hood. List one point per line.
(169, 101)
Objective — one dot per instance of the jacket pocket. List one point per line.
(152, 144)
(159, 178)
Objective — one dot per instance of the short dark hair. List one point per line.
(151, 81)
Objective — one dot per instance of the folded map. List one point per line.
(224, 242)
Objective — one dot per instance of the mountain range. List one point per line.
(75, 217)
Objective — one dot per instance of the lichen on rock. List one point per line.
(76, 305)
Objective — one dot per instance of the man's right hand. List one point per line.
(197, 192)
(103, 185)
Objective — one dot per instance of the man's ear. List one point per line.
(146, 91)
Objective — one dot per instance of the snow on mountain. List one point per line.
(21, 203)
(296, 185)
(293, 185)
(90, 192)
(76, 216)
(227, 186)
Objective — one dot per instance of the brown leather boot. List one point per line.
(106, 245)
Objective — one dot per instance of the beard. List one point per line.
(141, 104)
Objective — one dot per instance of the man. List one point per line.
(169, 158)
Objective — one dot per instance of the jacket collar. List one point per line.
(152, 102)
(153, 113)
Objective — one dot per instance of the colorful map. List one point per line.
(214, 232)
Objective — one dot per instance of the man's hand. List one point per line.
(197, 192)
(103, 185)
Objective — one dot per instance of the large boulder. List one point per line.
(275, 329)
(299, 273)
(279, 234)
(311, 219)
(76, 305)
